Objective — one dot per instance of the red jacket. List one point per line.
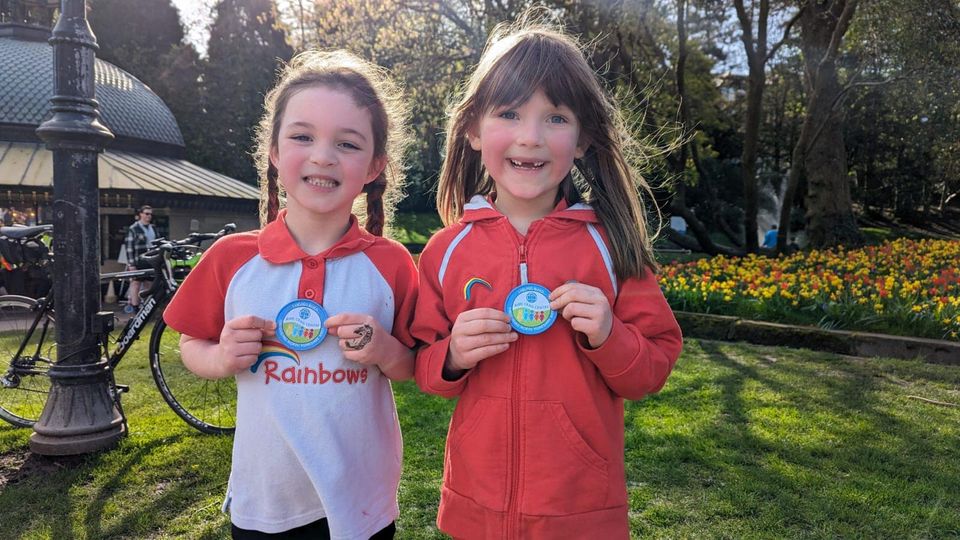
(535, 447)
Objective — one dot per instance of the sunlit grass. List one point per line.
(415, 228)
(743, 441)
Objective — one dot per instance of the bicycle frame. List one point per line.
(33, 319)
(155, 298)
(43, 306)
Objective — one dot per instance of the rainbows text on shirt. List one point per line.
(308, 375)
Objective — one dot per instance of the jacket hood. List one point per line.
(480, 208)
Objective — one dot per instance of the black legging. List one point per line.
(318, 530)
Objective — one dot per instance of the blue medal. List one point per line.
(300, 325)
(528, 306)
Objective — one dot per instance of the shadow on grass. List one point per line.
(797, 444)
(95, 490)
(105, 494)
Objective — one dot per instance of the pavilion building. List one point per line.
(145, 163)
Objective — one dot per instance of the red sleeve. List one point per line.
(197, 307)
(644, 343)
(396, 266)
(431, 327)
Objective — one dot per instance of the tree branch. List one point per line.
(934, 402)
(863, 84)
(839, 99)
(786, 33)
(762, 29)
(444, 10)
(746, 26)
(843, 23)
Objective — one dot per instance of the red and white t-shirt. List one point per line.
(317, 435)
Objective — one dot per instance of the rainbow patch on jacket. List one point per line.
(474, 281)
(273, 349)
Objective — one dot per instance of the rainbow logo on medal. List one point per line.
(300, 325)
(529, 309)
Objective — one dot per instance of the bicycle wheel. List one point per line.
(24, 378)
(209, 406)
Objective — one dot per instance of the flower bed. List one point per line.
(906, 287)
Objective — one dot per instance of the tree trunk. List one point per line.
(793, 182)
(697, 229)
(756, 51)
(820, 154)
(748, 164)
(727, 230)
(830, 219)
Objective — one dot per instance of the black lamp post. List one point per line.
(80, 415)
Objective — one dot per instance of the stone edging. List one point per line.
(934, 351)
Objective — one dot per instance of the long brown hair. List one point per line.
(518, 61)
(371, 89)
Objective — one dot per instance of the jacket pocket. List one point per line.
(562, 473)
(477, 454)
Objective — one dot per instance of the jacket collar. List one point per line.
(277, 246)
(480, 208)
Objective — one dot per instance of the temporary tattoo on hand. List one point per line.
(365, 332)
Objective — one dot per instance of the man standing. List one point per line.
(137, 242)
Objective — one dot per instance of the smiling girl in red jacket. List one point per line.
(538, 304)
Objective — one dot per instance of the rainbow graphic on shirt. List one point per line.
(474, 281)
(273, 349)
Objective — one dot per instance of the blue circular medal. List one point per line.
(529, 309)
(300, 325)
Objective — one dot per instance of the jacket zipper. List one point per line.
(523, 263)
(513, 511)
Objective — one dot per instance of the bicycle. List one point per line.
(28, 343)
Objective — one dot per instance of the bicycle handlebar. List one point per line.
(181, 247)
(229, 228)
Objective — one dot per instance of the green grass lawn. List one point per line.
(743, 441)
(415, 228)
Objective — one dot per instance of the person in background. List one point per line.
(137, 242)
(770, 239)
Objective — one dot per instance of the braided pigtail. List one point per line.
(375, 214)
(269, 205)
(273, 194)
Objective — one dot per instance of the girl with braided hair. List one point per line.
(311, 313)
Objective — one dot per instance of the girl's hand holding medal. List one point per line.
(360, 336)
(364, 341)
(240, 341)
(586, 308)
(478, 334)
